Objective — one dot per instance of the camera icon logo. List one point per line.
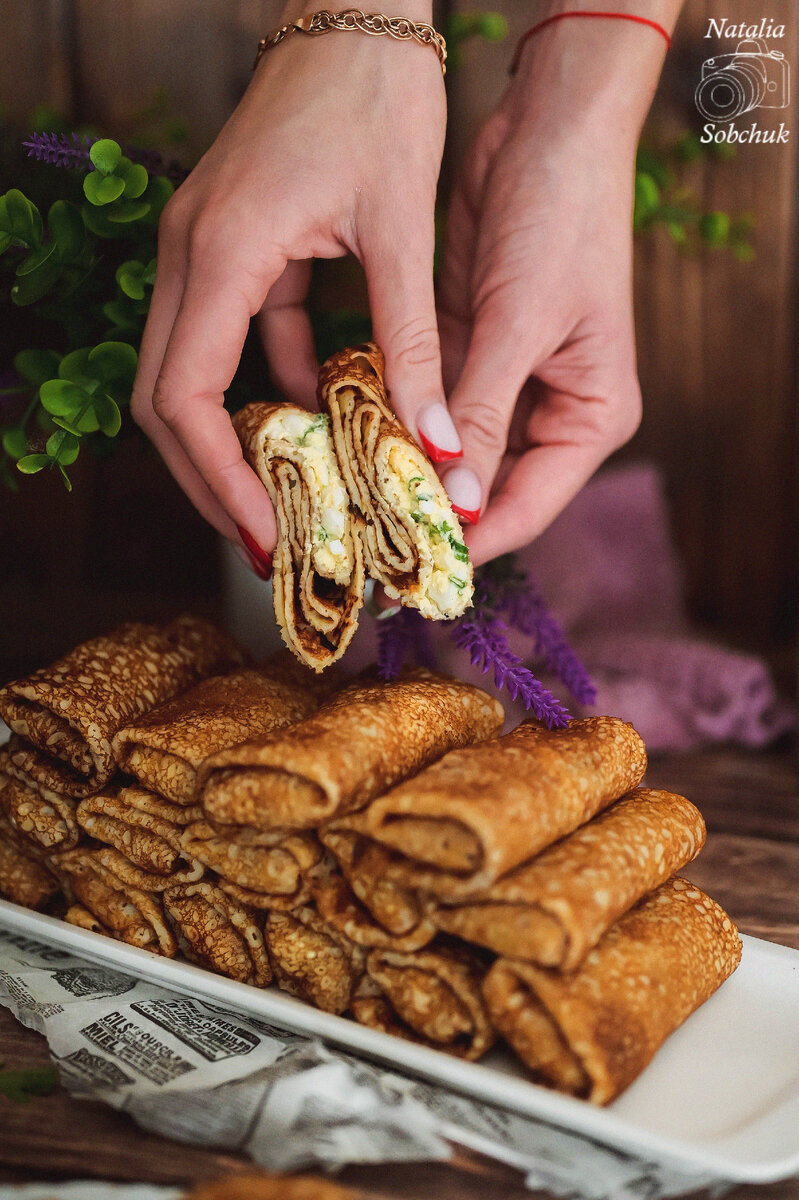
(751, 77)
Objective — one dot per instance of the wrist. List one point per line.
(414, 10)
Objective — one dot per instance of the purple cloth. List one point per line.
(609, 573)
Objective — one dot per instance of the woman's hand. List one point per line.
(334, 149)
(535, 306)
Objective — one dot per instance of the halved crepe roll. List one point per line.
(436, 994)
(312, 959)
(318, 562)
(593, 1031)
(45, 820)
(142, 834)
(404, 913)
(127, 913)
(480, 811)
(339, 906)
(367, 737)
(164, 748)
(24, 878)
(266, 869)
(217, 932)
(412, 538)
(554, 909)
(72, 709)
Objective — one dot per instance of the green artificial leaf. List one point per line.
(21, 218)
(20, 1086)
(15, 442)
(66, 479)
(131, 285)
(106, 155)
(108, 414)
(75, 367)
(37, 365)
(102, 189)
(97, 222)
(37, 283)
(36, 259)
(33, 463)
(158, 192)
(714, 228)
(62, 398)
(677, 233)
(493, 26)
(113, 362)
(129, 210)
(64, 447)
(647, 198)
(5, 241)
(66, 228)
(135, 178)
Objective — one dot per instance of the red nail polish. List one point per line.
(435, 452)
(472, 515)
(261, 559)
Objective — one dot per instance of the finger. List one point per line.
(399, 274)
(454, 286)
(201, 358)
(287, 336)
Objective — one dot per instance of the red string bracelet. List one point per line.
(613, 16)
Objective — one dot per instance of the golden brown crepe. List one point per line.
(413, 540)
(593, 1031)
(313, 960)
(217, 932)
(403, 913)
(338, 905)
(318, 562)
(72, 709)
(480, 811)
(263, 869)
(164, 748)
(366, 738)
(43, 774)
(76, 914)
(45, 820)
(555, 908)
(142, 835)
(256, 1186)
(127, 913)
(434, 993)
(24, 878)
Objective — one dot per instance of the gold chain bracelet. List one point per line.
(325, 21)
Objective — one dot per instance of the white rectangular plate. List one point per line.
(722, 1095)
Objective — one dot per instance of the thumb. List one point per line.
(399, 275)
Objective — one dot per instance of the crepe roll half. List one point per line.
(142, 835)
(433, 993)
(554, 909)
(413, 540)
(366, 738)
(312, 959)
(318, 562)
(24, 878)
(216, 931)
(72, 709)
(125, 912)
(263, 869)
(592, 1032)
(480, 811)
(45, 820)
(164, 748)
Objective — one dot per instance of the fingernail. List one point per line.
(438, 434)
(465, 493)
(261, 560)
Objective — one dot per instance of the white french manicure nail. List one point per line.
(465, 493)
(438, 433)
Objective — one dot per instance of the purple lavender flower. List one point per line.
(526, 611)
(398, 636)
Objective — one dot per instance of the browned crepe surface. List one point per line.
(72, 709)
(367, 737)
(267, 869)
(42, 773)
(480, 811)
(216, 931)
(312, 959)
(339, 906)
(553, 909)
(164, 748)
(76, 914)
(24, 879)
(593, 1031)
(45, 820)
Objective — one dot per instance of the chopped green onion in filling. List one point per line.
(319, 422)
(457, 582)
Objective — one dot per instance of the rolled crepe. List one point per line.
(403, 913)
(480, 811)
(338, 905)
(127, 913)
(164, 748)
(593, 1031)
(43, 774)
(76, 914)
(142, 835)
(45, 820)
(217, 932)
(266, 869)
(312, 959)
(24, 879)
(413, 540)
(436, 994)
(367, 737)
(554, 909)
(318, 562)
(72, 709)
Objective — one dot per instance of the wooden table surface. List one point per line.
(750, 864)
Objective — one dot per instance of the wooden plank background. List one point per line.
(717, 338)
